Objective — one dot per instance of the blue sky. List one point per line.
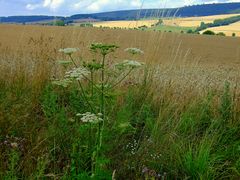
(69, 7)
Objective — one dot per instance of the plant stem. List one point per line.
(102, 101)
(83, 92)
(73, 60)
(101, 125)
(102, 79)
(92, 83)
(121, 79)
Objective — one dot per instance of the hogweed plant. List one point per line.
(92, 78)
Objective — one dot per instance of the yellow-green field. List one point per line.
(190, 22)
(194, 21)
(228, 30)
(177, 21)
(125, 24)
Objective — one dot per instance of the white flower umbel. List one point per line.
(77, 73)
(90, 117)
(68, 51)
(129, 64)
(134, 51)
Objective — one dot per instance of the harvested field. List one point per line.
(228, 30)
(178, 21)
(125, 24)
(195, 21)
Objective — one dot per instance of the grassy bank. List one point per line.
(151, 130)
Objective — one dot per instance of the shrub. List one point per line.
(190, 31)
(59, 23)
(221, 34)
(160, 22)
(208, 32)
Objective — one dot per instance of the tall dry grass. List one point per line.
(176, 108)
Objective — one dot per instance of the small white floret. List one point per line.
(68, 51)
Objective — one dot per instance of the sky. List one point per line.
(70, 7)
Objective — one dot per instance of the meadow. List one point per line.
(171, 111)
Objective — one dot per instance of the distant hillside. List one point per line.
(27, 19)
(187, 11)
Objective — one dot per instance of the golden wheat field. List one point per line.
(125, 24)
(228, 30)
(177, 21)
(178, 58)
(194, 21)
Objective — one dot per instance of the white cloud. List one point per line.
(83, 4)
(101, 5)
(188, 2)
(97, 5)
(68, 7)
(211, 2)
(53, 5)
(32, 6)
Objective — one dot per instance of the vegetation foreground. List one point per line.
(99, 119)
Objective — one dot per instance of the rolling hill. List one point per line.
(187, 11)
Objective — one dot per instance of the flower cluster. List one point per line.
(128, 64)
(152, 174)
(90, 117)
(104, 49)
(68, 51)
(134, 51)
(77, 73)
(12, 142)
(132, 146)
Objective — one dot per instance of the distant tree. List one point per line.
(221, 34)
(233, 34)
(218, 22)
(202, 26)
(143, 27)
(160, 22)
(59, 23)
(208, 32)
(190, 31)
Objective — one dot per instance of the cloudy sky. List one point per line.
(69, 7)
